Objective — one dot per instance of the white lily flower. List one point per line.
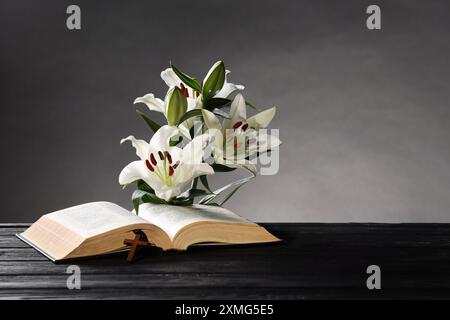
(168, 170)
(228, 87)
(238, 138)
(171, 79)
(194, 100)
(156, 104)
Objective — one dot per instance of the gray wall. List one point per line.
(364, 115)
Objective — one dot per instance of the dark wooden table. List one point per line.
(315, 261)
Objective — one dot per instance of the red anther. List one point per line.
(197, 94)
(152, 159)
(171, 171)
(184, 90)
(161, 156)
(237, 124)
(169, 157)
(176, 164)
(149, 166)
(244, 127)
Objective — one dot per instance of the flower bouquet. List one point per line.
(207, 132)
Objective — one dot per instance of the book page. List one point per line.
(94, 218)
(173, 218)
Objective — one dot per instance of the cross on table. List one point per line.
(139, 240)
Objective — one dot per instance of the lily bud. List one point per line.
(175, 105)
(214, 80)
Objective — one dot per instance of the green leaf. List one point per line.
(152, 198)
(152, 124)
(194, 183)
(173, 143)
(187, 198)
(221, 113)
(193, 193)
(248, 104)
(231, 194)
(142, 185)
(205, 183)
(214, 204)
(136, 198)
(214, 80)
(212, 103)
(221, 168)
(191, 82)
(234, 186)
(175, 104)
(144, 196)
(182, 202)
(190, 114)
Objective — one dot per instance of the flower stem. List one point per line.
(194, 183)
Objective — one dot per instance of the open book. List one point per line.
(101, 227)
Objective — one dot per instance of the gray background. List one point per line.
(364, 115)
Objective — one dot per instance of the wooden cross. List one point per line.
(139, 240)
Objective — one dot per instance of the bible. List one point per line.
(99, 228)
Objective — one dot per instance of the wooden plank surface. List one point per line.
(315, 261)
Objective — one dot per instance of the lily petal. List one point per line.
(202, 169)
(262, 119)
(142, 147)
(184, 131)
(137, 170)
(168, 193)
(187, 172)
(216, 139)
(238, 111)
(193, 151)
(211, 121)
(228, 88)
(162, 136)
(154, 104)
(170, 78)
(192, 104)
